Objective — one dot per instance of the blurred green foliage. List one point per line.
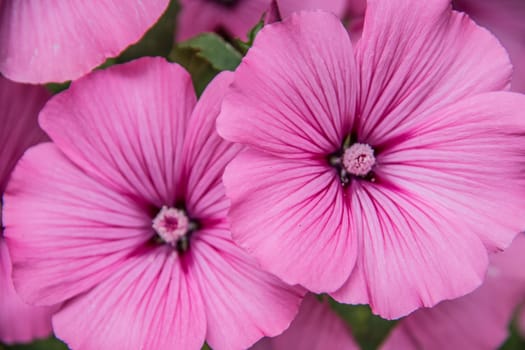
(45, 344)
(368, 330)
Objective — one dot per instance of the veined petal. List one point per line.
(294, 92)
(476, 321)
(316, 327)
(206, 155)
(410, 255)
(150, 303)
(467, 160)
(133, 140)
(79, 231)
(292, 216)
(416, 57)
(243, 302)
(62, 40)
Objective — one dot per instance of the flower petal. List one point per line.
(243, 303)
(412, 65)
(20, 105)
(316, 327)
(125, 126)
(437, 197)
(206, 155)
(19, 322)
(150, 303)
(294, 92)
(476, 321)
(504, 18)
(337, 7)
(199, 16)
(79, 230)
(63, 40)
(410, 255)
(291, 215)
(467, 159)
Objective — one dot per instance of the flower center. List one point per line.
(353, 160)
(358, 159)
(172, 225)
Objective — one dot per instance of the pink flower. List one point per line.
(316, 327)
(20, 105)
(505, 19)
(59, 40)
(476, 321)
(94, 219)
(438, 154)
(236, 17)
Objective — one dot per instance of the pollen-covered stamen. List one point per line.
(358, 159)
(171, 225)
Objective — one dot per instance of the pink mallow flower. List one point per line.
(316, 327)
(478, 321)
(380, 175)
(123, 218)
(236, 17)
(504, 18)
(59, 40)
(19, 107)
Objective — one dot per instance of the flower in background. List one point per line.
(123, 218)
(316, 327)
(19, 105)
(59, 40)
(235, 18)
(479, 320)
(504, 18)
(380, 175)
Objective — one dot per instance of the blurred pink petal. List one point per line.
(337, 7)
(505, 19)
(476, 321)
(414, 218)
(128, 142)
(19, 322)
(236, 17)
(63, 40)
(316, 327)
(20, 105)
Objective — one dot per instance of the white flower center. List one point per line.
(359, 159)
(171, 224)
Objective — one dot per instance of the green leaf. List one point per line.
(368, 329)
(46, 344)
(204, 57)
(244, 46)
(213, 49)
